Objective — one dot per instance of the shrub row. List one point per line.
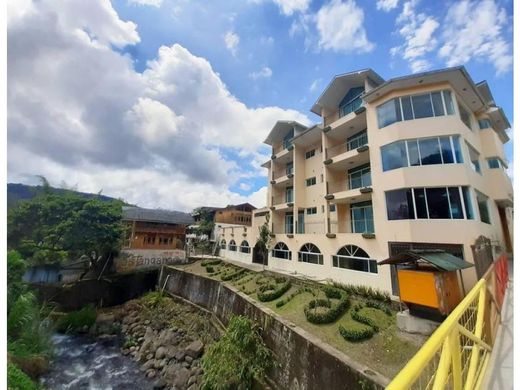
(282, 302)
(270, 292)
(211, 262)
(356, 334)
(244, 280)
(232, 275)
(359, 317)
(364, 291)
(335, 310)
(210, 269)
(380, 306)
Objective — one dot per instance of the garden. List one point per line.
(357, 320)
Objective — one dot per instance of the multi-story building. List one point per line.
(409, 163)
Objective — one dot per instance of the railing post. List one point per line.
(454, 341)
(473, 362)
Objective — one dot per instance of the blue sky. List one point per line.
(269, 59)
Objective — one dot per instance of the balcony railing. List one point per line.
(281, 199)
(317, 227)
(283, 146)
(281, 173)
(283, 229)
(350, 183)
(336, 150)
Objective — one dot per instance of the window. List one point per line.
(310, 153)
(482, 201)
(359, 177)
(289, 223)
(422, 151)
(244, 247)
(354, 258)
(289, 168)
(465, 116)
(309, 253)
(495, 163)
(484, 124)
(232, 246)
(405, 108)
(357, 140)
(312, 210)
(332, 208)
(289, 194)
(287, 140)
(429, 203)
(310, 181)
(362, 217)
(351, 102)
(474, 158)
(281, 251)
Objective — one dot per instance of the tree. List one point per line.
(265, 239)
(54, 227)
(205, 223)
(237, 358)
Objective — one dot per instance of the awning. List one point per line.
(438, 258)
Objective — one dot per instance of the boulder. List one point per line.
(160, 352)
(195, 349)
(181, 378)
(179, 356)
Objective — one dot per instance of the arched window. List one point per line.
(232, 245)
(244, 247)
(223, 244)
(281, 251)
(354, 258)
(310, 253)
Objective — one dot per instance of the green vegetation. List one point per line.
(232, 274)
(364, 291)
(269, 292)
(207, 262)
(265, 239)
(76, 321)
(54, 227)
(356, 332)
(239, 357)
(324, 311)
(287, 299)
(19, 380)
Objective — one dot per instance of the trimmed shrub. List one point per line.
(19, 380)
(364, 291)
(232, 275)
(359, 317)
(380, 306)
(270, 292)
(211, 262)
(77, 320)
(210, 269)
(335, 310)
(282, 302)
(355, 333)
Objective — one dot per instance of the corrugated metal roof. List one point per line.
(156, 215)
(438, 258)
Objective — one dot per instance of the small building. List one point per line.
(240, 214)
(155, 228)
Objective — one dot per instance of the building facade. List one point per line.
(415, 162)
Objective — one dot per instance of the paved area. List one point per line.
(500, 369)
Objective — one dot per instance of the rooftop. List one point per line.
(156, 215)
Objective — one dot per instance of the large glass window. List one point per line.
(232, 246)
(244, 247)
(289, 168)
(484, 124)
(223, 244)
(362, 217)
(352, 101)
(465, 116)
(429, 203)
(287, 140)
(482, 201)
(310, 253)
(422, 151)
(357, 140)
(281, 251)
(289, 223)
(310, 181)
(495, 163)
(415, 107)
(289, 194)
(354, 258)
(474, 158)
(359, 177)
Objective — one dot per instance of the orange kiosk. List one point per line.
(429, 281)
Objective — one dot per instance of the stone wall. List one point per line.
(306, 362)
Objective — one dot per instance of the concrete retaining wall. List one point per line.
(306, 362)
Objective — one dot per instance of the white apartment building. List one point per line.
(412, 162)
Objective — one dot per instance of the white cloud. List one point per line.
(340, 27)
(418, 31)
(387, 5)
(231, 40)
(269, 40)
(263, 73)
(288, 7)
(152, 3)
(315, 85)
(78, 112)
(476, 30)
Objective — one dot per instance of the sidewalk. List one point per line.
(499, 374)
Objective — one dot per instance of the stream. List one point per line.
(83, 362)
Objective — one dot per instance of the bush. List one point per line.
(380, 306)
(18, 380)
(232, 275)
(355, 333)
(270, 292)
(210, 269)
(237, 358)
(76, 320)
(335, 310)
(152, 299)
(211, 262)
(301, 290)
(359, 317)
(364, 291)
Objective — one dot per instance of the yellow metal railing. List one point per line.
(457, 353)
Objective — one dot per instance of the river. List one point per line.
(83, 362)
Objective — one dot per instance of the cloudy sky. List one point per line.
(165, 103)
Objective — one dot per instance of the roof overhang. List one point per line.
(309, 136)
(340, 84)
(485, 92)
(500, 122)
(279, 130)
(458, 78)
(437, 258)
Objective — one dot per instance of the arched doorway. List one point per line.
(260, 254)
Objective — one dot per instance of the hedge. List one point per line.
(210, 269)
(335, 309)
(356, 315)
(356, 334)
(232, 275)
(380, 306)
(364, 291)
(211, 262)
(270, 292)
(282, 302)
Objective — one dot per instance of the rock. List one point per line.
(105, 318)
(149, 356)
(125, 351)
(179, 356)
(160, 353)
(171, 351)
(192, 380)
(170, 372)
(186, 364)
(194, 349)
(147, 322)
(159, 384)
(148, 365)
(181, 378)
(188, 358)
(133, 348)
(151, 374)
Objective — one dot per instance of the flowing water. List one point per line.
(82, 362)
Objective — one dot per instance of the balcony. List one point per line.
(282, 176)
(283, 152)
(347, 125)
(282, 202)
(342, 156)
(355, 188)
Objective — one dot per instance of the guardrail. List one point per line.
(457, 353)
